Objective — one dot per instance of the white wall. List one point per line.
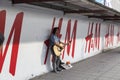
(115, 4)
(111, 3)
(36, 26)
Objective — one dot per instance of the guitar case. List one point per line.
(67, 66)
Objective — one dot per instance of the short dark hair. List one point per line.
(1, 38)
(54, 30)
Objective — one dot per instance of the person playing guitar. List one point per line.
(55, 43)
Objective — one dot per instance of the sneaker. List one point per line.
(60, 69)
(56, 71)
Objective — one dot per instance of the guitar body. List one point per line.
(57, 50)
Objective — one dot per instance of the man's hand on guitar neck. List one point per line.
(69, 43)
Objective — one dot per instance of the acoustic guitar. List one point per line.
(57, 50)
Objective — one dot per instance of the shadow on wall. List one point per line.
(46, 57)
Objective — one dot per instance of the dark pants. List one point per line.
(56, 61)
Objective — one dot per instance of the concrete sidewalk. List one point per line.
(104, 66)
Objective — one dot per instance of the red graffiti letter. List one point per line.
(72, 38)
(15, 32)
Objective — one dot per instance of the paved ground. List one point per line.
(104, 66)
